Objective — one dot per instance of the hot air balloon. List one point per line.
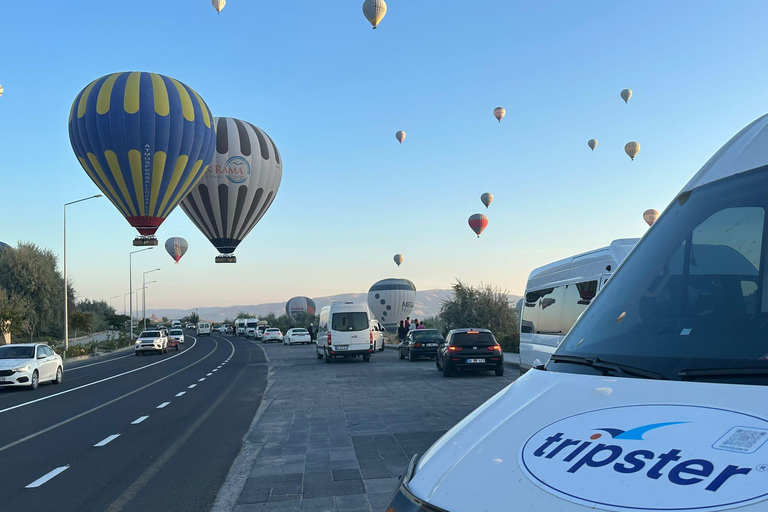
(300, 305)
(626, 94)
(374, 11)
(632, 149)
(592, 143)
(176, 247)
(399, 259)
(145, 140)
(3, 246)
(392, 300)
(650, 216)
(219, 5)
(400, 136)
(487, 199)
(239, 187)
(499, 113)
(1, 90)
(478, 222)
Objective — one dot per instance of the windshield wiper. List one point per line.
(692, 373)
(608, 366)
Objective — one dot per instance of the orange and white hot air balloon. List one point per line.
(650, 216)
(478, 222)
(399, 259)
(499, 113)
(592, 143)
(400, 136)
(374, 11)
(632, 149)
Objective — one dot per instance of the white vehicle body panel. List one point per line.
(343, 341)
(204, 328)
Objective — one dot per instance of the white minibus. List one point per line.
(557, 293)
(656, 398)
(203, 328)
(344, 330)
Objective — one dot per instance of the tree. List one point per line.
(243, 314)
(81, 322)
(14, 313)
(483, 307)
(100, 310)
(165, 319)
(191, 318)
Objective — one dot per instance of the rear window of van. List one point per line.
(351, 321)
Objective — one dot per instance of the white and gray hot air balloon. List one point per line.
(392, 300)
(238, 188)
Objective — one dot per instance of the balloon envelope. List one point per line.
(374, 11)
(399, 259)
(3, 246)
(300, 305)
(219, 4)
(176, 247)
(632, 149)
(478, 222)
(1, 90)
(650, 216)
(145, 140)
(626, 94)
(239, 187)
(487, 199)
(400, 136)
(499, 113)
(392, 300)
(592, 143)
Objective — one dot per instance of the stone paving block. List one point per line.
(381, 485)
(375, 472)
(273, 506)
(324, 504)
(351, 503)
(346, 474)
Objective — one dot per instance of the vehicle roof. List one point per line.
(467, 329)
(349, 306)
(746, 150)
(23, 344)
(581, 266)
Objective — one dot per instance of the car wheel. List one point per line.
(411, 357)
(500, 372)
(327, 358)
(318, 354)
(400, 353)
(367, 358)
(59, 376)
(35, 380)
(447, 371)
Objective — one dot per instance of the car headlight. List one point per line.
(22, 369)
(404, 500)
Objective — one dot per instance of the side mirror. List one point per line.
(42, 356)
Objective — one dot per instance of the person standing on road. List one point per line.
(401, 332)
(413, 325)
(311, 330)
(421, 326)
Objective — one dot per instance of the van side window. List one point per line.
(577, 298)
(550, 310)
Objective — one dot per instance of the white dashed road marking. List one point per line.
(106, 441)
(201, 380)
(181, 394)
(139, 420)
(40, 481)
(208, 374)
(192, 386)
(162, 405)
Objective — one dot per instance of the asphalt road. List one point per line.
(127, 433)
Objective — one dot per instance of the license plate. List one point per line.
(431, 344)
(475, 360)
(341, 347)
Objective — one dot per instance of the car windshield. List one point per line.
(463, 339)
(692, 298)
(150, 334)
(427, 335)
(17, 352)
(351, 321)
(177, 332)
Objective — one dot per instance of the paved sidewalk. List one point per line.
(337, 437)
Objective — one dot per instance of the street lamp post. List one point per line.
(110, 300)
(143, 292)
(125, 308)
(66, 284)
(130, 282)
(144, 295)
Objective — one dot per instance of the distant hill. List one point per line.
(428, 304)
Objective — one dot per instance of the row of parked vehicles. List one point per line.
(159, 340)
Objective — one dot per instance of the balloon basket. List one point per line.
(142, 241)
(226, 258)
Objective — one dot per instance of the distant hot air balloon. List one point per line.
(1, 90)
(176, 247)
(392, 300)
(3, 246)
(219, 5)
(632, 149)
(145, 140)
(374, 11)
(478, 222)
(399, 259)
(239, 187)
(626, 94)
(487, 199)
(650, 216)
(400, 136)
(298, 305)
(592, 143)
(499, 113)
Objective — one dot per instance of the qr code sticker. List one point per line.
(742, 440)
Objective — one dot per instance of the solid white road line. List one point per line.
(192, 386)
(163, 405)
(201, 380)
(94, 364)
(106, 440)
(139, 420)
(24, 404)
(181, 394)
(40, 481)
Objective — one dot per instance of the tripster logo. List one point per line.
(694, 463)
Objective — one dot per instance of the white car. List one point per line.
(272, 334)
(155, 341)
(297, 336)
(28, 364)
(223, 329)
(177, 334)
(190, 326)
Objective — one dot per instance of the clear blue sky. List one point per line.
(331, 93)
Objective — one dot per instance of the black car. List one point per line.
(420, 343)
(469, 349)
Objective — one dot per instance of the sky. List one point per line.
(331, 93)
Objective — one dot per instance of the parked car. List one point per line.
(190, 326)
(420, 343)
(259, 331)
(469, 349)
(297, 336)
(151, 341)
(344, 330)
(272, 334)
(377, 333)
(29, 364)
(176, 334)
(223, 329)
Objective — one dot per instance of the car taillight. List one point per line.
(417, 345)
(452, 348)
(329, 338)
(494, 348)
(371, 336)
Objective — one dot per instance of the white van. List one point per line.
(556, 294)
(344, 330)
(656, 398)
(203, 328)
(250, 327)
(240, 327)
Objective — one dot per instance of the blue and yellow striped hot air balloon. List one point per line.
(145, 140)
